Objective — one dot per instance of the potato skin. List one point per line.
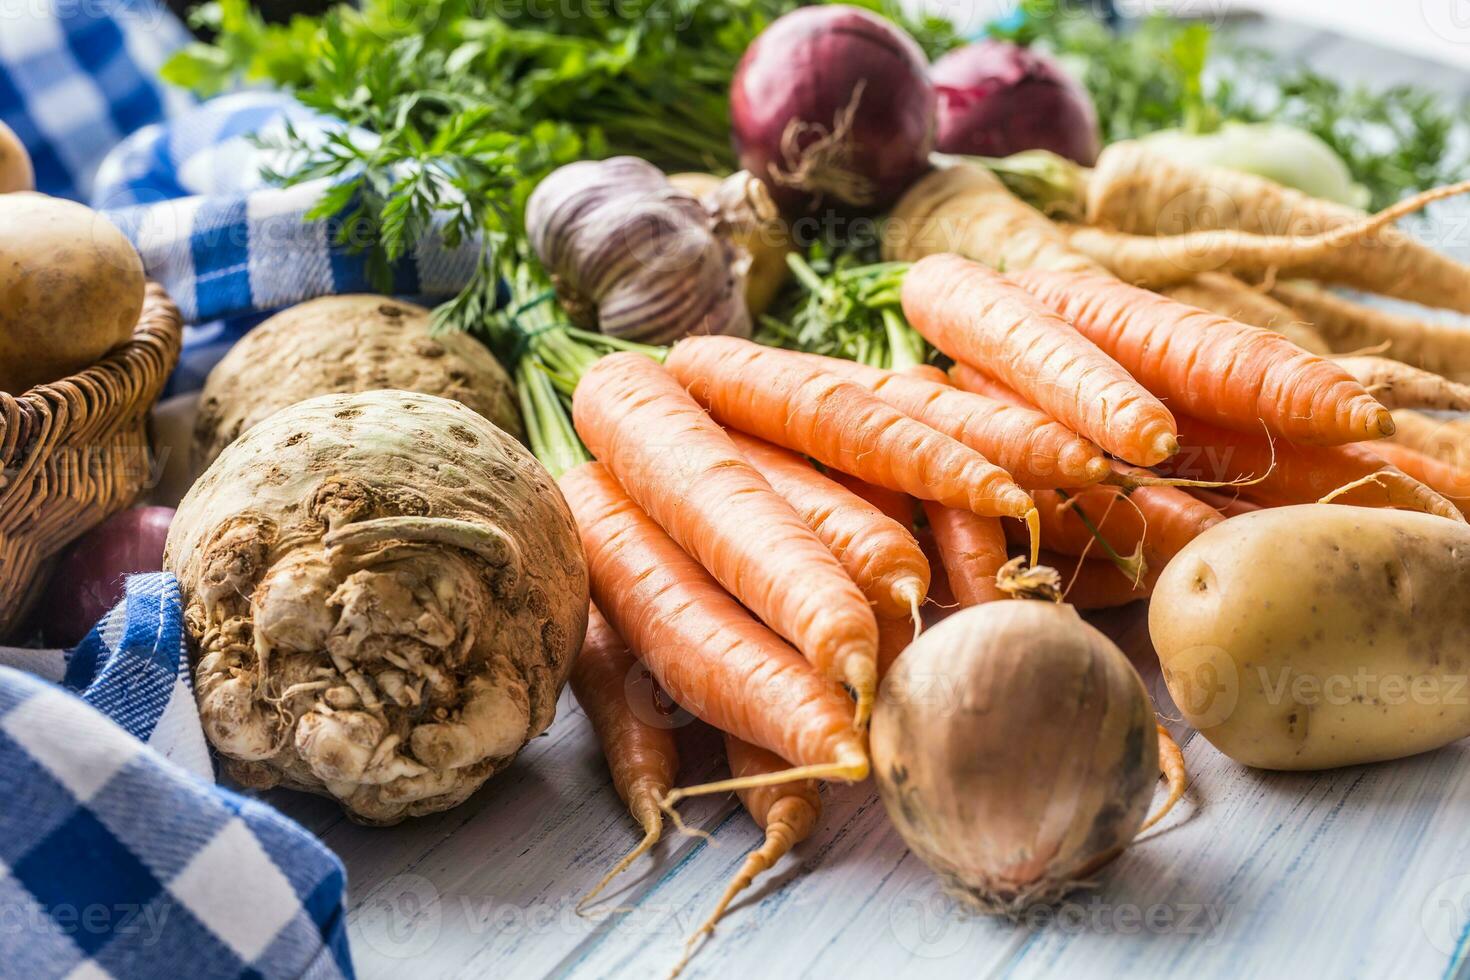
(16, 173)
(71, 289)
(1319, 636)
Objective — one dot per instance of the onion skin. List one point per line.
(997, 98)
(805, 71)
(634, 256)
(1014, 748)
(90, 578)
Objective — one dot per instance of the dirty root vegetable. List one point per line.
(998, 98)
(634, 256)
(962, 207)
(384, 593)
(16, 173)
(832, 104)
(1312, 637)
(1037, 766)
(340, 345)
(71, 289)
(91, 576)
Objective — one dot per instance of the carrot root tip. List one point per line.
(1171, 767)
(1097, 469)
(1383, 423)
(650, 837)
(861, 674)
(1166, 445)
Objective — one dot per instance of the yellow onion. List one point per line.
(1014, 747)
(634, 256)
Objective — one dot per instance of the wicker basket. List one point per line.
(75, 452)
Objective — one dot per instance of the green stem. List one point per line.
(805, 273)
(905, 346)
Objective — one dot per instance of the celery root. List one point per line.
(383, 594)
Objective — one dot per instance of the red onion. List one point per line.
(996, 98)
(89, 579)
(833, 102)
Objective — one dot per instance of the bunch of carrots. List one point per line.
(752, 515)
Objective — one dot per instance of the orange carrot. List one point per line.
(640, 752)
(1235, 300)
(895, 635)
(1171, 766)
(779, 396)
(975, 381)
(879, 554)
(983, 319)
(1090, 584)
(1033, 448)
(787, 812)
(972, 550)
(1288, 473)
(687, 475)
(1451, 481)
(1156, 521)
(1229, 505)
(926, 372)
(896, 506)
(702, 647)
(1213, 368)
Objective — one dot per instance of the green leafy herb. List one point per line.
(842, 309)
(1162, 73)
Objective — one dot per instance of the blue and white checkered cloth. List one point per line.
(118, 855)
(77, 76)
(78, 85)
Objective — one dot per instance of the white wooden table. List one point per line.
(1361, 872)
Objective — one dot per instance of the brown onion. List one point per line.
(1014, 747)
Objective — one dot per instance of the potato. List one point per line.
(1318, 636)
(16, 173)
(71, 289)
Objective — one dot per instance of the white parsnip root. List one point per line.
(1399, 385)
(385, 593)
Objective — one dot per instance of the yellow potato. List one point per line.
(71, 289)
(1319, 636)
(15, 164)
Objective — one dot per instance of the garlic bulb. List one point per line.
(633, 256)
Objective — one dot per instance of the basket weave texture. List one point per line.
(75, 452)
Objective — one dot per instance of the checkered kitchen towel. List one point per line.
(78, 85)
(77, 76)
(116, 858)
